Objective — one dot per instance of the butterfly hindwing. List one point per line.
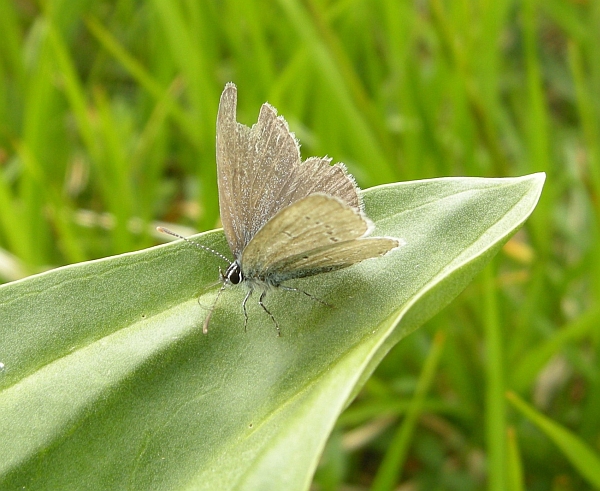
(316, 234)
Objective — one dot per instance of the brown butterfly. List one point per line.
(283, 218)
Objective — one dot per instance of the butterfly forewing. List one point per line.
(315, 234)
(260, 172)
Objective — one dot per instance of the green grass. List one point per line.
(107, 121)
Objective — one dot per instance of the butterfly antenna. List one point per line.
(170, 232)
(212, 309)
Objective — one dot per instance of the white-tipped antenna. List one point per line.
(212, 309)
(170, 232)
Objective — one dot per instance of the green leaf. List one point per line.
(108, 382)
(514, 462)
(581, 456)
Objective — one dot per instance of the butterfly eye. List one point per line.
(234, 274)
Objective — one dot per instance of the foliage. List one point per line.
(126, 383)
(107, 114)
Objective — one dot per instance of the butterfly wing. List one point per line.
(314, 235)
(260, 172)
(317, 175)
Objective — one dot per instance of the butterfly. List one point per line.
(283, 218)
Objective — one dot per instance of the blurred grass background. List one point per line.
(107, 125)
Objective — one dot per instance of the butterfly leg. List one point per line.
(316, 299)
(244, 308)
(260, 302)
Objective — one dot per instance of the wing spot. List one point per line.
(334, 239)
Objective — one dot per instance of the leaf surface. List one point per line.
(108, 382)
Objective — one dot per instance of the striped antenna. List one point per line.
(170, 232)
(212, 309)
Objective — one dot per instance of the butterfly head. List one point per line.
(233, 274)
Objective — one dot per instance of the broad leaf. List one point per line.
(109, 383)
